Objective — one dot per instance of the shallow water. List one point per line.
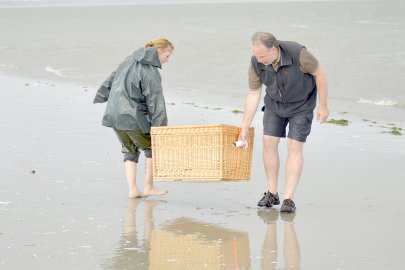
(358, 42)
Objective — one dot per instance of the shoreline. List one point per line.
(373, 112)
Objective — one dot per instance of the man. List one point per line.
(293, 78)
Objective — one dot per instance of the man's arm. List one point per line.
(252, 101)
(322, 113)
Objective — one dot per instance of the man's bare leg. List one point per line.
(130, 173)
(293, 168)
(271, 161)
(149, 189)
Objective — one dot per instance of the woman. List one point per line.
(135, 103)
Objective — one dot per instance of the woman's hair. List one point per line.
(160, 43)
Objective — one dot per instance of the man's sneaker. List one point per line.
(268, 200)
(288, 206)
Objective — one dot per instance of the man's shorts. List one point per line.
(299, 125)
(132, 141)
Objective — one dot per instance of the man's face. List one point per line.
(264, 55)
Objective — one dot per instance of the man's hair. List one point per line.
(265, 39)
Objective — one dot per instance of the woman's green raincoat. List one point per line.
(133, 93)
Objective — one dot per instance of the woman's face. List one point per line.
(164, 54)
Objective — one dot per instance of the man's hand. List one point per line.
(322, 114)
(243, 134)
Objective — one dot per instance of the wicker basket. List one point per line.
(200, 153)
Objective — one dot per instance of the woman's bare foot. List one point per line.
(154, 192)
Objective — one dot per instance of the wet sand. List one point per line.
(63, 195)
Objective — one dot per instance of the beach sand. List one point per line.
(64, 205)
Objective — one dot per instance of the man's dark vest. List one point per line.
(288, 83)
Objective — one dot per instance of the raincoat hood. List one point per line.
(147, 56)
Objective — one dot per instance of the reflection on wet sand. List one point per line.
(184, 243)
(291, 250)
(133, 251)
(188, 244)
(180, 244)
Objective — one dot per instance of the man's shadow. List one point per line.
(291, 249)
